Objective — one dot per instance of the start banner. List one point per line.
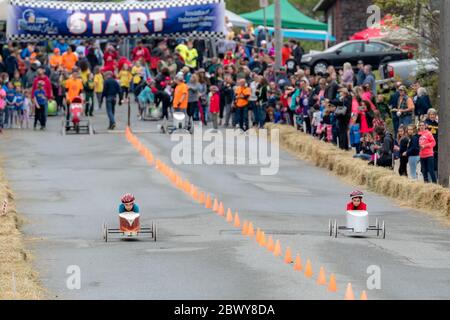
(28, 19)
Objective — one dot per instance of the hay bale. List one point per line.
(15, 261)
(415, 194)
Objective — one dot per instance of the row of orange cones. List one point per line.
(247, 227)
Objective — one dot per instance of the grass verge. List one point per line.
(431, 198)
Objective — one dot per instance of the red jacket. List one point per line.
(214, 103)
(427, 143)
(47, 86)
(362, 206)
(140, 52)
(122, 61)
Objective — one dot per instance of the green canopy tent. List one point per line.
(291, 18)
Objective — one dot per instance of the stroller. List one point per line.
(73, 122)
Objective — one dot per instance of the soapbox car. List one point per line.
(357, 223)
(73, 122)
(129, 227)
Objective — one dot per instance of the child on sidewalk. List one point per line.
(214, 106)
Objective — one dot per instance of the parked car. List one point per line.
(371, 52)
(407, 71)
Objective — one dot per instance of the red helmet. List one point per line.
(356, 194)
(127, 198)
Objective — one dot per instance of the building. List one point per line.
(344, 17)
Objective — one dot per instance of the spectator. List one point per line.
(69, 59)
(347, 74)
(370, 79)
(343, 114)
(385, 148)
(360, 76)
(433, 125)
(405, 107)
(403, 141)
(214, 106)
(111, 90)
(426, 143)
(393, 106)
(242, 96)
(2, 105)
(412, 151)
(422, 104)
(40, 104)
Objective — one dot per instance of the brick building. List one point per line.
(344, 17)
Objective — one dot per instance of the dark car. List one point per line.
(370, 52)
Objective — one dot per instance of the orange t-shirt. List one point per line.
(242, 102)
(74, 88)
(55, 60)
(181, 89)
(69, 60)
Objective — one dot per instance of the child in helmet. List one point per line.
(128, 204)
(356, 203)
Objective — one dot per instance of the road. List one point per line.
(67, 186)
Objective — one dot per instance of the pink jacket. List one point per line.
(2, 99)
(427, 143)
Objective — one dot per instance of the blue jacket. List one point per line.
(355, 135)
(122, 208)
(111, 88)
(413, 146)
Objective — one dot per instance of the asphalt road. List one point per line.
(67, 186)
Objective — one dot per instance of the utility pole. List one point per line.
(278, 34)
(444, 89)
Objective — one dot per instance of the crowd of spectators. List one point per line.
(234, 83)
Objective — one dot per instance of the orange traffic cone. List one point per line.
(237, 221)
(216, 205)
(332, 284)
(298, 263)
(195, 194)
(321, 279)
(308, 269)
(262, 239)
(251, 231)
(288, 256)
(270, 244)
(229, 215)
(363, 295)
(258, 235)
(208, 203)
(349, 295)
(245, 228)
(221, 210)
(277, 250)
(201, 198)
